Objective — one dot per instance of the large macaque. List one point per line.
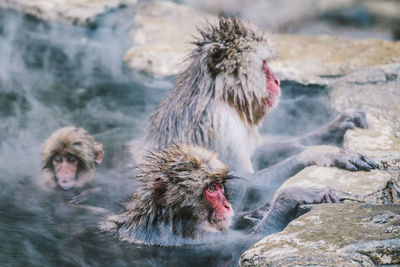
(183, 198)
(222, 97)
(69, 158)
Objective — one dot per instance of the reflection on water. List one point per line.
(57, 75)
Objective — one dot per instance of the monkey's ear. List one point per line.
(98, 152)
(160, 187)
(215, 58)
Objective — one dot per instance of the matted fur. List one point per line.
(168, 206)
(223, 77)
(71, 140)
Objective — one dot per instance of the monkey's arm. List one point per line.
(284, 207)
(272, 151)
(333, 133)
(330, 156)
(84, 195)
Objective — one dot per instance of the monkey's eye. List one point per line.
(57, 158)
(211, 188)
(71, 158)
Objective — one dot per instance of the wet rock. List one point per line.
(163, 37)
(349, 234)
(376, 186)
(83, 12)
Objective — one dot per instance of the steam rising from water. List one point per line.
(55, 75)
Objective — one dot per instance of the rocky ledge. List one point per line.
(333, 235)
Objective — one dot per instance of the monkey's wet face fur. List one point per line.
(237, 57)
(181, 197)
(69, 158)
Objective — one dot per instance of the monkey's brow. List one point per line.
(232, 176)
(77, 143)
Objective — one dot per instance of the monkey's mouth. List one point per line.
(66, 184)
(222, 223)
(271, 100)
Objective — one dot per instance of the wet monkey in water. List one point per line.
(222, 97)
(69, 158)
(184, 196)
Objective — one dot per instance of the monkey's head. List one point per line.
(181, 186)
(236, 56)
(69, 158)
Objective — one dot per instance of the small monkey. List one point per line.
(183, 197)
(69, 158)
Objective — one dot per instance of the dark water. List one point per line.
(57, 75)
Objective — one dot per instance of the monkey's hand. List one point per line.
(301, 196)
(285, 205)
(333, 133)
(79, 199)
(84, 195)
(336, 157)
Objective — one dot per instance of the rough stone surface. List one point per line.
(376, 186)
(333, 235)
(318, 59)
(163, 37)
(81, 12)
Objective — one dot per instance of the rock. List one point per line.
(83, 12)
(318, 59)
(376, 186)
(380, 83)
(349, 234)
(163, 37)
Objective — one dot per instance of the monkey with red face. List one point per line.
(69, 158)
(183, 198)
(222, 97)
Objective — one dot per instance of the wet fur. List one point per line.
(218, 98)
(168, 206)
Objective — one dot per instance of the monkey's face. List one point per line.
(273, 88)
(65, 170)
(221, 211)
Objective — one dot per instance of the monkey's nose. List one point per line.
(227, 206)
(277, 82)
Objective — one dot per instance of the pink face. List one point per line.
(65, 170)
(222, 211)
(274, 91)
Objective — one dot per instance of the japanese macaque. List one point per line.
(221, 98)
(183, 197)
(69, 158)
